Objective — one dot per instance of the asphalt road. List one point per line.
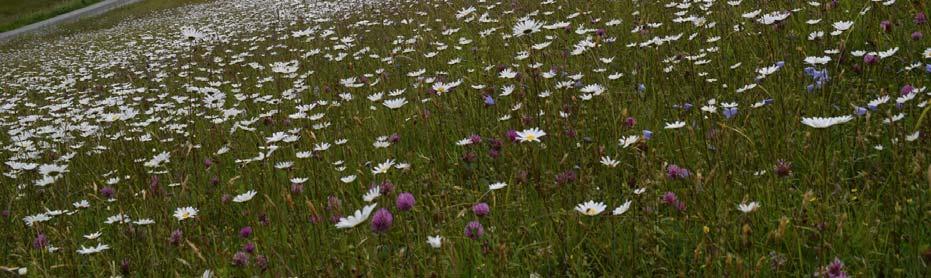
(92, 10)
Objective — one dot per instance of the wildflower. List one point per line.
(675, 172)
(748, 208)
(820, 122)
(526, 26)
(175, 237)
(405, 201)
(675, 125)
(670, 198)
(474, 230)
(590, 208)
(240, 259)
(530, 135)
(607, 161)
(91, 250)
(245, 232)
(40, 242)
(245, 197)
(783, 168)
(107, 192)
(480, 209)
(496, 186)
(357, 218)
(870, 59)
(185, 213)
(382, 220)
(435, 241)
(886, 26)
(249, 247)
(261, 262)
(621, 209)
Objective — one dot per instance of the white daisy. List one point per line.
(748, 208)
(245, 197)
(530, 135)
(591, 208)
(185, 213)
(435, 241)
(621, 209)
(357, 218)
(820, 122)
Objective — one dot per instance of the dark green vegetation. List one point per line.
(18, 13)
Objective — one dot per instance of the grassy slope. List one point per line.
(843, 198)
(18, 13)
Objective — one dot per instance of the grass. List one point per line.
(19, 13)
(856, 191)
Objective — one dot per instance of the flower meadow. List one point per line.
(556, 138)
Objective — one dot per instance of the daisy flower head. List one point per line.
(356, 218)
(821, 122)
(748, 208)
(526, 26)
(245, 197)
(530, 135)
(185, 213)
(435, 241)
(621, 209)
(591, 208)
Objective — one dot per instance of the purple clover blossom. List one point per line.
(249, 247)
(886, 26)
(836, 269)
(405, 201)
(382, 220)
(240, 259)
(475, 138)
(107, 192)
(511, 135)
(245, 232)
(907, 89)
(630, 121)
(675, 172)
(870, 59)
(474, 230)
(917, 36)
(481, 209)
(671, 199)
(176, 237)
(921, 18)
(40, 242)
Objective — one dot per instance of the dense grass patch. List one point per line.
(18, 13)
